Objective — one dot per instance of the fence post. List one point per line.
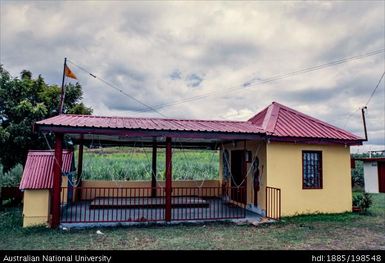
(153, 172)
(57, 167)
(168, 178)
(266, 202)
(77, 194)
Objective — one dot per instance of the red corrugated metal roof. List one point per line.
(38, 170)
(155, 124)
(276, 120)
(281, 121)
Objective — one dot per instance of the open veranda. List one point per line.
(112, 201)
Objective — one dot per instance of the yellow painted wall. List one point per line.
(284, 171)
(36, 207)
(202, 188)
(258, 148)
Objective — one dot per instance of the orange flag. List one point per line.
(69, 73)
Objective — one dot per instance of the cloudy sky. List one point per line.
(207, 60)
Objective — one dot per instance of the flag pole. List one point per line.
(62, 88)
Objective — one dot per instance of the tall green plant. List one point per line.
(12, 177)
(192, 165)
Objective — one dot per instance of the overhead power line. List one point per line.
(366, 104)
(244, 85)
(350, 116)
(150, 108)
(271, 79)
(374, 91)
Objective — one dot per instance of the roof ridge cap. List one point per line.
(271, 117)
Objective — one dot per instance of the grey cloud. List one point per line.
(365, 41)
(115, 100)
(356, 86)
(127, 72)
(159, 52)
(231, 52)
(378, 141)
(140, 18)
(176, 74)
(194, 80)
(310, 95)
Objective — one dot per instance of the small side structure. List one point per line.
(37, 183)
(374, 174)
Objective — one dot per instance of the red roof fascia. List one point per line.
(310, 140)
(152, 133)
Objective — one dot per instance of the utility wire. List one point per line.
(370, 98)
(350, 115)
(254, 83)
(374, 91)
(244, 85)
(150, 108)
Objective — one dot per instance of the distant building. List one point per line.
(374, 174)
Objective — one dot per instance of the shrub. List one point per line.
(12, 177)
(358, 174)
(363, 201)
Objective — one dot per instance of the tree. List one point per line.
(25, 101)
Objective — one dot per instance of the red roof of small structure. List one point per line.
(281, 121)
(38, 170)
(275, 121)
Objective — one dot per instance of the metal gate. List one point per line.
(273, 202)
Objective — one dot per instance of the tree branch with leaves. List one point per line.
(24, 101)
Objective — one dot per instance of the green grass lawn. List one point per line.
(338, 231)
